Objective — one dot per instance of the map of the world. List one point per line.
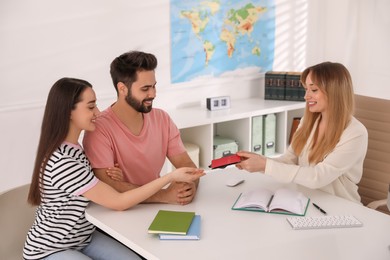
(217, 38)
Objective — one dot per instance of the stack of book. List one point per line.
(176, 225)
(282, 85)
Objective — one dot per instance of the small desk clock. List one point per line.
(216, 103)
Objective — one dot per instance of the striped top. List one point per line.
(60, 221)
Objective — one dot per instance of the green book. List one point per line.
(171, 222)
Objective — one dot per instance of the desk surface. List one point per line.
(230, 234)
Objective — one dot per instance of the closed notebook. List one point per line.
(192, 234)
(171, 222)
(282, 201)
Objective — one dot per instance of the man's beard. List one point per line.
(137, 105)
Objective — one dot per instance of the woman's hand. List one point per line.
(252, 162)
(115, 173)
(187, 174)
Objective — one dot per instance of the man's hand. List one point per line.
(178, 193)
(185, 192)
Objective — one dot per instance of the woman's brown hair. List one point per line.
(62, 99)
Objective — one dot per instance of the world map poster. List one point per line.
(221, 38)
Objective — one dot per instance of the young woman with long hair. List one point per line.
(329, 146)
(63, 182)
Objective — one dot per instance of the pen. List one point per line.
(320, 209)
(270, 201)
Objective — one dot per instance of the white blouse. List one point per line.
(338, 174)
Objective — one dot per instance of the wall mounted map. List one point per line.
(221, 38)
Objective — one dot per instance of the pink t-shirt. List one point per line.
(140, 157)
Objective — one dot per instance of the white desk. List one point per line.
(230, 234)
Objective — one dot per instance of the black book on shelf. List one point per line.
(281, 85)
(268, 85)
(275, 85)
(290, 91)
(293, 86)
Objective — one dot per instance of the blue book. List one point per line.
(192, 234)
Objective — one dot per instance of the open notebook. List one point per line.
(282, 201)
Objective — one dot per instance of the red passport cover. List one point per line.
(225, 161)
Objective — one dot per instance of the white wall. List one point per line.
(44, 40)
(357, 34)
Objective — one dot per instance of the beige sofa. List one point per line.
(374, 113)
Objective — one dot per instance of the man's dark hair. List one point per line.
(125, 67)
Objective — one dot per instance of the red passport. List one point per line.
(225, 161)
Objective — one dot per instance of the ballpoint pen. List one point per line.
(320, 209)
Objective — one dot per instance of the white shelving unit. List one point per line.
(198, 125)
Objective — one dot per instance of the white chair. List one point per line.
(16, 218)
(379, 203)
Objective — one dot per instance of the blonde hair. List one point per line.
(334, 80)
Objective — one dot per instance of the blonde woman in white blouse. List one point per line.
(329, 146)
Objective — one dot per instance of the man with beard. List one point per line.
(135, 137)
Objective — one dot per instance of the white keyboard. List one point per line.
(324, 222)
